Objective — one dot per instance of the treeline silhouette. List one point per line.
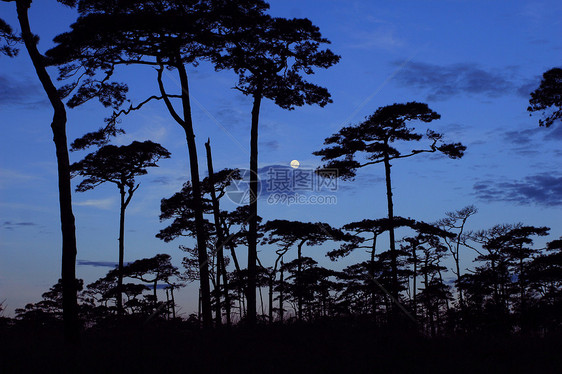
(514, 287)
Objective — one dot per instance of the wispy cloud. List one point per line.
(531, 141)
(540, 189)
(271, 145)
(444, 81)
(522, 137)
(13, 177)
(18, 91)
(106, 264)
(382, 37)
(163, 180)
(105, 204)
(10, 225)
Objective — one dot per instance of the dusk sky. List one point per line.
(474, 62)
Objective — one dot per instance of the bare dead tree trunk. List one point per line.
(58, 126)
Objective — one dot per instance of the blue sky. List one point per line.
(474, 62)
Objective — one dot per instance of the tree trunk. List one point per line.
(220, 237)
(281, 284)
(218, 306)
(253, 224)
(199, 306)
(372, 274)
(415, 284)
(457, 264)
(271, 298)
(121, 251)
(261, 301)
(428, 304)
(173, 303)
(58, 126)
(234, 257)
(521, 283)
(197, 200)
(393, 255)
(299, 280)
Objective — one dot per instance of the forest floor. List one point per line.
(275, 349)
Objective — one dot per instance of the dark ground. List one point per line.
(287, 349)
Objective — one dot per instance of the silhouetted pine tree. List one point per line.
(375, 137)
(548, 97)
(290, 233)
(119, 165)
(164, 35)
(270, 56)
(58, 126)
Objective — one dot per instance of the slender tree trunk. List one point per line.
(271, 279)
(220, 235)
(299, 280)
(253, 223)
(58, 126)
(218, 306)
(242, 305)
(458, 266)
(261, 301)
(415, 285)
(428, 304)
(197, 200)
(173, 303)
(124, 203)
(239, 287)
(437, 318)
(121, 251)
(521, 283)
(372, 274)
(281, 293)
(442, 282)
(199, 306)
(522, 303)
(234, 257)
(227, 306)
(459, 288)
(393, 255)
(495, 280)
(167, 305)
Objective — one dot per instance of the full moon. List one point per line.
(295, 164)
